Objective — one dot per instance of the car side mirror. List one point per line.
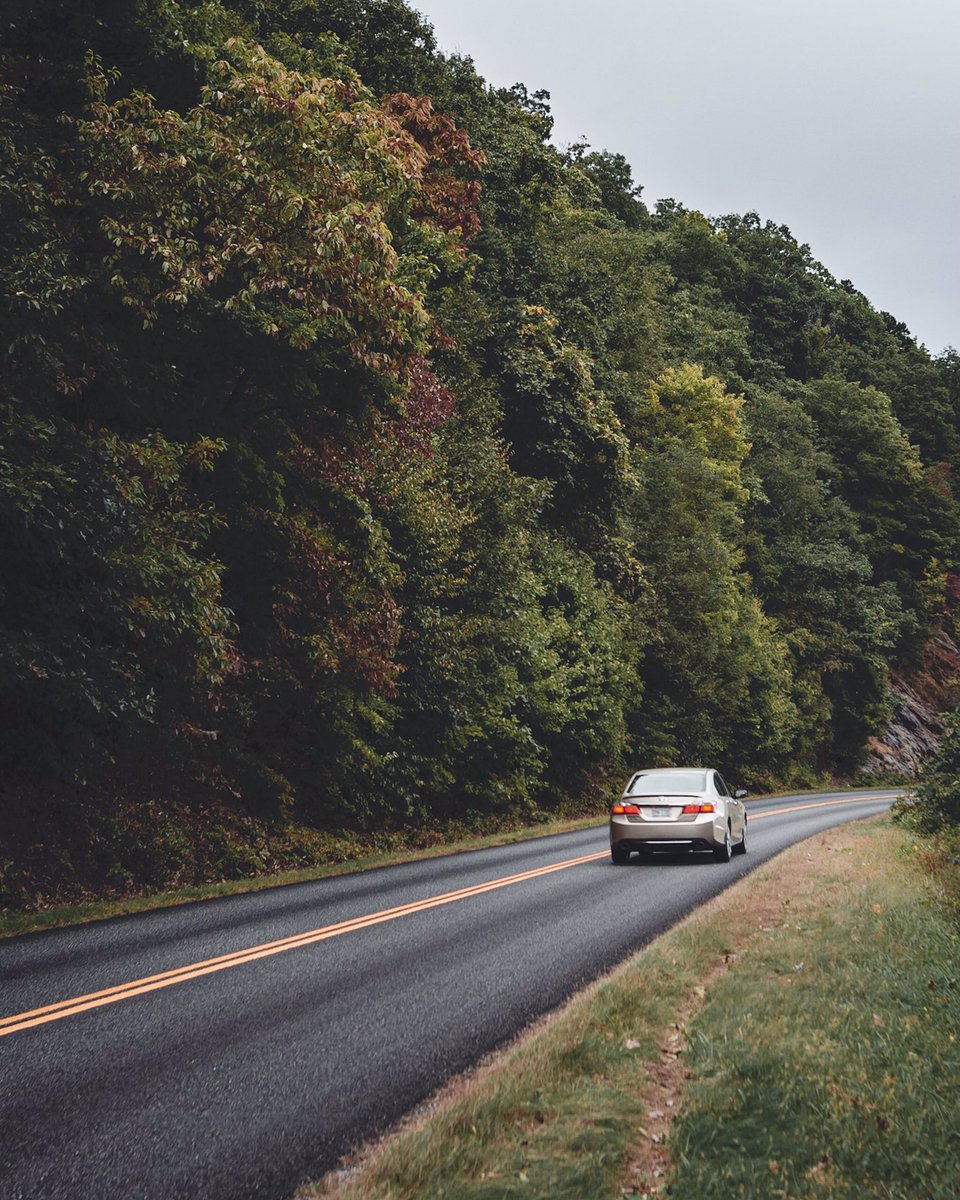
(739, 793)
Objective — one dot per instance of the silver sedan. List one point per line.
(678, 808)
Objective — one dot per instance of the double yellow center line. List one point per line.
(153, 983)
(778, 812)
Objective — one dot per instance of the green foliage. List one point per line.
(387, 42)
(366, 460)
(269, 200)
(560, 426)
(714, 655)
(807, 556)
(612, 177)
(111, 609)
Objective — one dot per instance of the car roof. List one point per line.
(673, 771)
(669, 770)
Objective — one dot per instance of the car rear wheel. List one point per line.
(724, 852)
(741, 846)
(620, 854)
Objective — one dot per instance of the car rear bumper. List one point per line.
(696, 833)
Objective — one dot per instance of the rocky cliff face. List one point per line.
(918, 698)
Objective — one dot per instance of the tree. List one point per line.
(714, 665)
(808, 558)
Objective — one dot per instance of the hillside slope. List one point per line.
(368, 464)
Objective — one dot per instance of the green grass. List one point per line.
(828, 1063)
(820, 1006)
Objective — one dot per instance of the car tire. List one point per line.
(741, 846)
(724, 852)
(620, 855)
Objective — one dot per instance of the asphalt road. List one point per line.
(143, 1075)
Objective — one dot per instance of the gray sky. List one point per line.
(838, 118)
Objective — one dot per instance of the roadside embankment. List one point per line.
(797, 1036)
(430, 844)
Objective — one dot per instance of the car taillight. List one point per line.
(698, 808)
(629, 810)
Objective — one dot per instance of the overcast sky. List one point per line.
(838, 118)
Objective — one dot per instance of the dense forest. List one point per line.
(370, 465)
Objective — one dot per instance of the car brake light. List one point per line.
(629, 810)
(698, 808)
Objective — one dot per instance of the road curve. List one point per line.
(237, 1047)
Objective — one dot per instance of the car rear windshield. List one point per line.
(675, 783)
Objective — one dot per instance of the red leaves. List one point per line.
(333, 617)
(447, 200)
(428, 406)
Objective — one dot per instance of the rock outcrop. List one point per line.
(918, 699)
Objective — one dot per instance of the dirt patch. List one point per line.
(648, 1165)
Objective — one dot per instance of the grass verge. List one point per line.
(12, 924)
(796, 1037)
